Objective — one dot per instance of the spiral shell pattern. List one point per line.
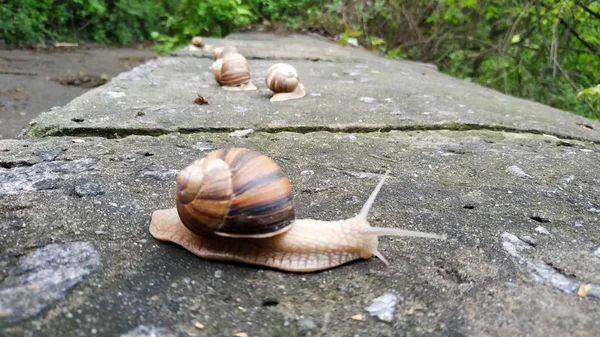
(235, 192)
(282, 77)
(234, 70)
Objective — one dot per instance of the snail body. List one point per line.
(236, 205)
(232, 72)
(282, 79)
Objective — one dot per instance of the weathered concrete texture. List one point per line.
(279, 47)
(46, 274)
(373, 94)
(457, 183)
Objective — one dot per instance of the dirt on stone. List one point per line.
(35, 81)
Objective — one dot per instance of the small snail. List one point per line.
(236, 205)
(198, 42)
(283, 80)
(219, 52)
(232, 72)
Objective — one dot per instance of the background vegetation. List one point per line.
(543, 50)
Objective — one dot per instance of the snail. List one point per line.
(236, 205)
(283, 80)
(232, 72)
(198, 42)
(219, 52)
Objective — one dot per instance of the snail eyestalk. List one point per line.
(376, 232)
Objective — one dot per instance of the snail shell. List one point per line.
(219, 52)
(283, 80)
(235, 192)
(198, 41)
(232, 72)
(236, 205)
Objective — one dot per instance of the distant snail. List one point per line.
(198, 41)
(232, 72)
(236, 205)
(219, 52)
(283, 80)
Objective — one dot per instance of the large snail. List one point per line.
(283, 80)
(236, 205)
(232, 72)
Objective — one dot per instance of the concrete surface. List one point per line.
(32, 82)
(516, 191)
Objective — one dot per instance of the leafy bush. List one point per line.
(183, 19)
(118, 21)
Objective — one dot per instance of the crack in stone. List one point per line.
(545, 273)
(114, 133)
(41, 176)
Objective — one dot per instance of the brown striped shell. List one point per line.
(235, 192)
(231, 70)
(219, 52)
(281, 77)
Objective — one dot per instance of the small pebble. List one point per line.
(368, 99)
(383, 307)
(203, 146)
(78, 140)
(307, 324)
(577, 224)
(241, 334)
(357, 317)
(113, 94)
(218, 273)
(88, 189)
(517, 171)
(568, 179)
(307, 172)
(241, 133)
(542, 230)
(597, 252)
(529, 240)
(199, 325)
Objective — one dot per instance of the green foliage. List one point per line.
(120, 21)
(183, 19)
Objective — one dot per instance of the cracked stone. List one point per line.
(540, 271)
(45, 275)
(41, 176)
(47, 155)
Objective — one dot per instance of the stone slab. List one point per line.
(280, 47)
(377, 94)
(498, 274)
